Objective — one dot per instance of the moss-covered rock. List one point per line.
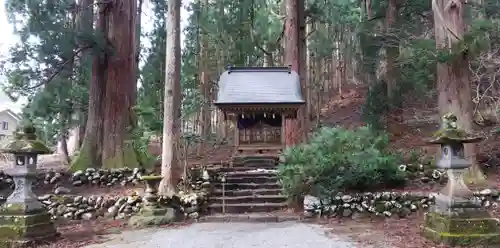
(153, 217)
(450, 132)
(461, 230)
(18, 230)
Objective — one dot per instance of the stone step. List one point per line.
(240, 169)
(257, 165)
(235, 186)
(251, 174)
(256, 162)
(255, 158)
(249, 199)
(246, 192)
(251, 217)
(247, 207)
(251, 179)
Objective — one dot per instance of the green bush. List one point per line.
(337, 159)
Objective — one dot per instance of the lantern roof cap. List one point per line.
(25, 141)
(450, 133)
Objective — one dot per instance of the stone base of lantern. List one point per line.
(460, 222)
(153, 215)
(21, 230)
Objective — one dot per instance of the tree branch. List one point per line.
(252, 26)
(59, 69)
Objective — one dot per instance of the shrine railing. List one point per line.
(266, 134)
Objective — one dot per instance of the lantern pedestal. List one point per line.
(457, 218)
(152, 214)
(23, 219)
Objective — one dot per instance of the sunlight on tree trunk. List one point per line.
(170, 166)
(292, 58)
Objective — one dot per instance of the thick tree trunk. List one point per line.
(84, 25)
(392, 73)
(64, 145)
(453, 78)
(91, 150)
(120, 86)
(293, 45)
(392, 50)
(304, 120)
(204, 89)
(292, 58)
(309, 70)
(138, 29)
(170, 169)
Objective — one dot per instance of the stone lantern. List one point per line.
(456, 217)
(23, 219)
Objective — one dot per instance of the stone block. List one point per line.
(24, 230)
(462, 230)
(150, 216)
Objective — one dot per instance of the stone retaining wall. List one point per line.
(383, 203)
(61, 203)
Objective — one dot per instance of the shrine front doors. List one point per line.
(261, 128)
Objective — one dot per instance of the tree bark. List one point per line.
(64, 145)
(84, 25)
(303, 115)
(292, 58)
(120, 86)
(391, 75)
(91, 150)
(453, 78)
(204, 89)
(392, 50)
(170, 169)
(368, 7)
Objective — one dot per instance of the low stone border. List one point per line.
(383, 203)
(90, 176)
(94, 177)
(79, 207)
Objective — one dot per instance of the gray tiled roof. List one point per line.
(259, 85)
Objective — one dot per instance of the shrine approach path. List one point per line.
(229, 235)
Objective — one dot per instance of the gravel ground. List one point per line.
(229, 235)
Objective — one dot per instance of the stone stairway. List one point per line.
(251, 187)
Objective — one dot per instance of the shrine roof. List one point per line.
(259, 85)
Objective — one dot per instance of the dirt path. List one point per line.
(229, 235)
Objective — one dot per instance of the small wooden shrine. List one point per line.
(258, 100)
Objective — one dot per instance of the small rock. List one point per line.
(77, 183)
(87, 216)
(78, 199)
(68, 215)
(61, 191)
(194, 215)
(44, 197)
(346, 198)
(78, 173)
(486, 192)
(112, 211)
